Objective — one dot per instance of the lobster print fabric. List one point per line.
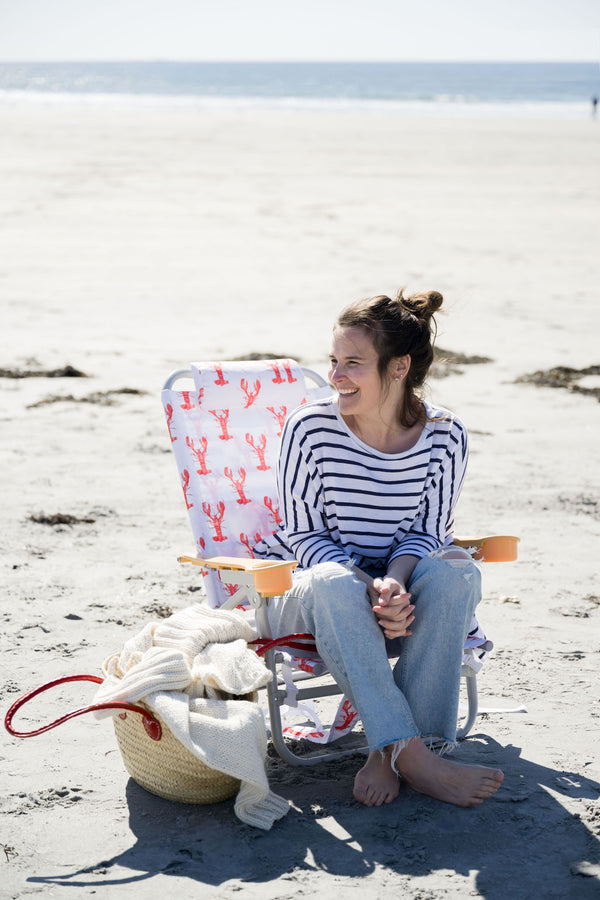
(225, 434)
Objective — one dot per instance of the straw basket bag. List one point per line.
(165, 767)
(152, 756)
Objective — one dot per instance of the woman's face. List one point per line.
(353, 371)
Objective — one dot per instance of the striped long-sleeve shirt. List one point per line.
(344, 501)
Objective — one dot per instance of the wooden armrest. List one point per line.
(492, 548)
(271, 577)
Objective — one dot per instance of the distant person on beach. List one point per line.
(594, 106)
(368, 482)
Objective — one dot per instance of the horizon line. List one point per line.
(225, 61)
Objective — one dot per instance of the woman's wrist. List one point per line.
(401, 585)
(362, 576)
(401, 568)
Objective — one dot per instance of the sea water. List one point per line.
(450, 88)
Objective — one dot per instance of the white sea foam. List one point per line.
(454, 107)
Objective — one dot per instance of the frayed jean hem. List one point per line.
(404, 741)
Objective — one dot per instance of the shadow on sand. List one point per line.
(524, 842)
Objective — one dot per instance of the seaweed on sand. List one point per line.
(564, 377)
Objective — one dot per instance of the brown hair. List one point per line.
(404, 326)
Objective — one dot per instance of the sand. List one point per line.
(134, 240)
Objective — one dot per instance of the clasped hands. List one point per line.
(391, 604)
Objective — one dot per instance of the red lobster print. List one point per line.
(259, 450)
(288, 371)
(238, 484)
(231, 589)
(220, 379)
(185, 483)
(187, 403)
(169, 415)
(216, 519)
(301, 733)
(305, 665)
(350, 715)
(280, 416)
(250, 395)
(201, 544)
(200, 454)
(273, 510)
(245, 540)
(222, 417)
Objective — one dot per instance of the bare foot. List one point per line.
(376, 783)
(444, 779)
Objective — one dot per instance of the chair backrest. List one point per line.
(225, 433)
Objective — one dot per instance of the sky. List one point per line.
(395, 30)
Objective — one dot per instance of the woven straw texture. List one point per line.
(166, 768)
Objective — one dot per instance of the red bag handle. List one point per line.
(150, 723)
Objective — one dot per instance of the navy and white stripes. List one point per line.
(341, 499)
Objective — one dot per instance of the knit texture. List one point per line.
(184, 668)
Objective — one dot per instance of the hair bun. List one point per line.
(422, 305)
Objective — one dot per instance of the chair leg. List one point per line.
(465, 728)
(274, 697)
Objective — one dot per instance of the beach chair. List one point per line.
(225, 420)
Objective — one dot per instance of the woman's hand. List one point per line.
(391, 604)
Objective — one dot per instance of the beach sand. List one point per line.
(135, 240)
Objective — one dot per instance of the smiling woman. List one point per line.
(381, 353)
(368, 482)
(365, 409)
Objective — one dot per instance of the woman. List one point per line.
(368, 482)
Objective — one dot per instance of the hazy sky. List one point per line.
(301, 30)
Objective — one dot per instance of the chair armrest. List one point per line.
(271, 577)
(492, 548)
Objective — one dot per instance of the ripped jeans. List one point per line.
(419, 696)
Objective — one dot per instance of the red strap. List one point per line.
(300, 641)
(151, 724)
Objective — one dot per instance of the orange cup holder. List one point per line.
(273, 580)
(499, 548)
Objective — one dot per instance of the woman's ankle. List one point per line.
(404, 752)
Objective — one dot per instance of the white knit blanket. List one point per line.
(184, 668)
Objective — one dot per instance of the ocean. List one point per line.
(427, 88)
